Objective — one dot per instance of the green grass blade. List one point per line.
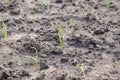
(48, 5)
(4, 30)
(60, 35)
(91, 13)
(36, 61)
(83, 72)
(78, 65)
(34, 58)
(72, 23)
(33, 16)
(107, 3)
(65, 78)
(30, 57)
(9, 2)
(36, 51)
(82, 69)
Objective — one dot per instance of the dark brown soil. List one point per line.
(95, 43)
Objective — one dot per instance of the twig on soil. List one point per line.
(34, 58)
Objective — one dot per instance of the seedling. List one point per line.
(47, 2)
(60, 35)
(107, 3)
(82, 69)
(72, 24)
(4, 30)
(91, 13)
(33, 16)
(34, 58)
(65, 78)
(9, 2)
(78, 65)
(83, 72)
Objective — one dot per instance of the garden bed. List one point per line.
(95, 42)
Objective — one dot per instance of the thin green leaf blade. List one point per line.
(30, 57)
(4, 30)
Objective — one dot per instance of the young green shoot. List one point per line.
(34, 58)
(72, 24)
(82, 69)
(33, 16)
(65, 78)
(48, 5)
(78, 65)
(107, 3)
(91, 13)
(9, 2)
(83, 72)
(4, 30)
(60, 35)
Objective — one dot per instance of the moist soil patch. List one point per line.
(95, 43)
